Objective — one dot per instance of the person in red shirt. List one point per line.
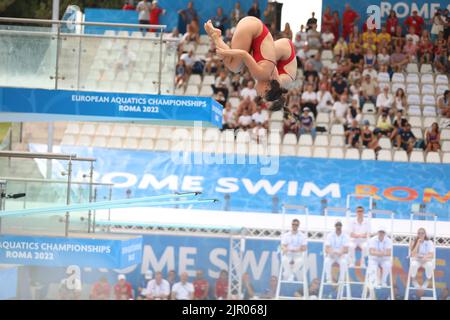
(201, 286)
(415, 21)
(426, 49)
(349, 19)
(128, 6)
(327, 19)
(101, 290)
(123, 289)
(335, 26)
(155, 12)
(222, 286)
(392, 22)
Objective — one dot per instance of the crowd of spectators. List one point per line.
(355, 75)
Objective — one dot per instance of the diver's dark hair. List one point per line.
(275, 92)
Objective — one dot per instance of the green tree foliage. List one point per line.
(42, 9)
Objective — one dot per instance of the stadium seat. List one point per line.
(288, 150)
(277, 116)
(384, 155)
(416, 156)
(206, 91)
(368, 154)
(276, 125)
(413, 99)
(336, 153)
(304, 151)
(396, 86)
(383, 77)
(208, 80)
(146, 144)
(321, 141)
(195, 79)
(109, 33)
(88, 129)
(426, 68)
(162, 144)
(428, 100)
(104, 130)
(290, 139)
(274, 138)
(415, 122)
(352, 154)
(209, 135)
(68, 140)
(385, 143)
(305, 140)
(446, 157)
(337, 129)
(398, 77)
(412, 68)
(427, 79)
(165, 133)
(368, 108)
(445, 134)
(414, 110)
(320, 152)
(323, 117)
(428, 89)
(446, 146)
(134, 132)
(429, 111)
(442, 79)
(234, 102)
(119, 131)
(123, 76)
(191, 90)
(417, 133)
(412, 78)
(337, 141)
(72, 128)
(149, 132)
(433, 157)
(243, 137)
(131, 143)
(123, 33)
(412, 88)
(327, 55)
(428, 121)
(371, 118)
(400, 156)
(441, 88)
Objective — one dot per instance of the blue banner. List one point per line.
(211, 254)
(55, 251)
(404, 9)
(43, 104)
(307, 181)
(8, 281)
(205, 10)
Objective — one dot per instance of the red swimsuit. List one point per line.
(256, 45)
(282, 63)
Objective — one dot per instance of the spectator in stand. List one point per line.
(356, 58)
(441, 59)
(353, 113)
(353, 135)
(413, 35)
(193, 31)
(438, 23)
(183, 290)
(368, 138)
(101, 290)
(340, 109)
(336, 24)
(392, 22)
(128, 6)
(384, 38)
(399, 102)
(260, 117)
(220, 20)
(189, 61)
(229, 117)
(406, 139)
(349, 20)
(369, 35)
(355, 90)
(172, 278)
(341, 48)
(410, 50)
(126, 60)
(303, 55)
(311, 21)
(245, 120)
(269, 15)
(287, 32)
(415, 21)
(254, 10)
(399, 60)
(246, 104)
(328, 39)
(248, 292)
(327, 19)
(444, 294)
(314, 37)
(325, 100)
(158, 288)
(155, 12)
(339, 87)
(370, 44)
(399, 124)
(236, 14)
(443, 103)
(221, 289)
(370, 59)
(291, 120)
(220, 98)
(336, 250)
(306, 124)
(309, 99)
(201, 286)
(369, 70)
(180, 73)
(222, 84)
(385, 101)
(384, 126)
(249, 91)
(426, 51)
(142, 287)
(271, 291)
(123, 289)
(433, 137)
(143, 8)
(398, 39)
(369, 90)
(187, 16)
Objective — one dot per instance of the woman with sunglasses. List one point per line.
(422, 255)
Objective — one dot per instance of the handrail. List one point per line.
(99, 24)
(38, 155)
(55, 181)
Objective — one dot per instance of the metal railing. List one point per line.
(50, 57)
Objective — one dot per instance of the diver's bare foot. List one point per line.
(211, 31)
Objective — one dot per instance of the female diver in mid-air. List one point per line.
(252, 36)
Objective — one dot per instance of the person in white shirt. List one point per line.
(359, 233)
(370, 71)
(143, 8)
(245, 121)
(293, 245)
(380, 255)
(158, 288)
(385, 101)
(260, 116)
(183, 290)
(188, 59)
(249, 91)
(325, 99)
(336, 250)
(422, 255)
(340, 110)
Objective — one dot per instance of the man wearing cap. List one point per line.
(123, 289)
(359, 232)
(336, 250)
(293, 245)
(380, 256)
(415, 21)
(158, 288)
